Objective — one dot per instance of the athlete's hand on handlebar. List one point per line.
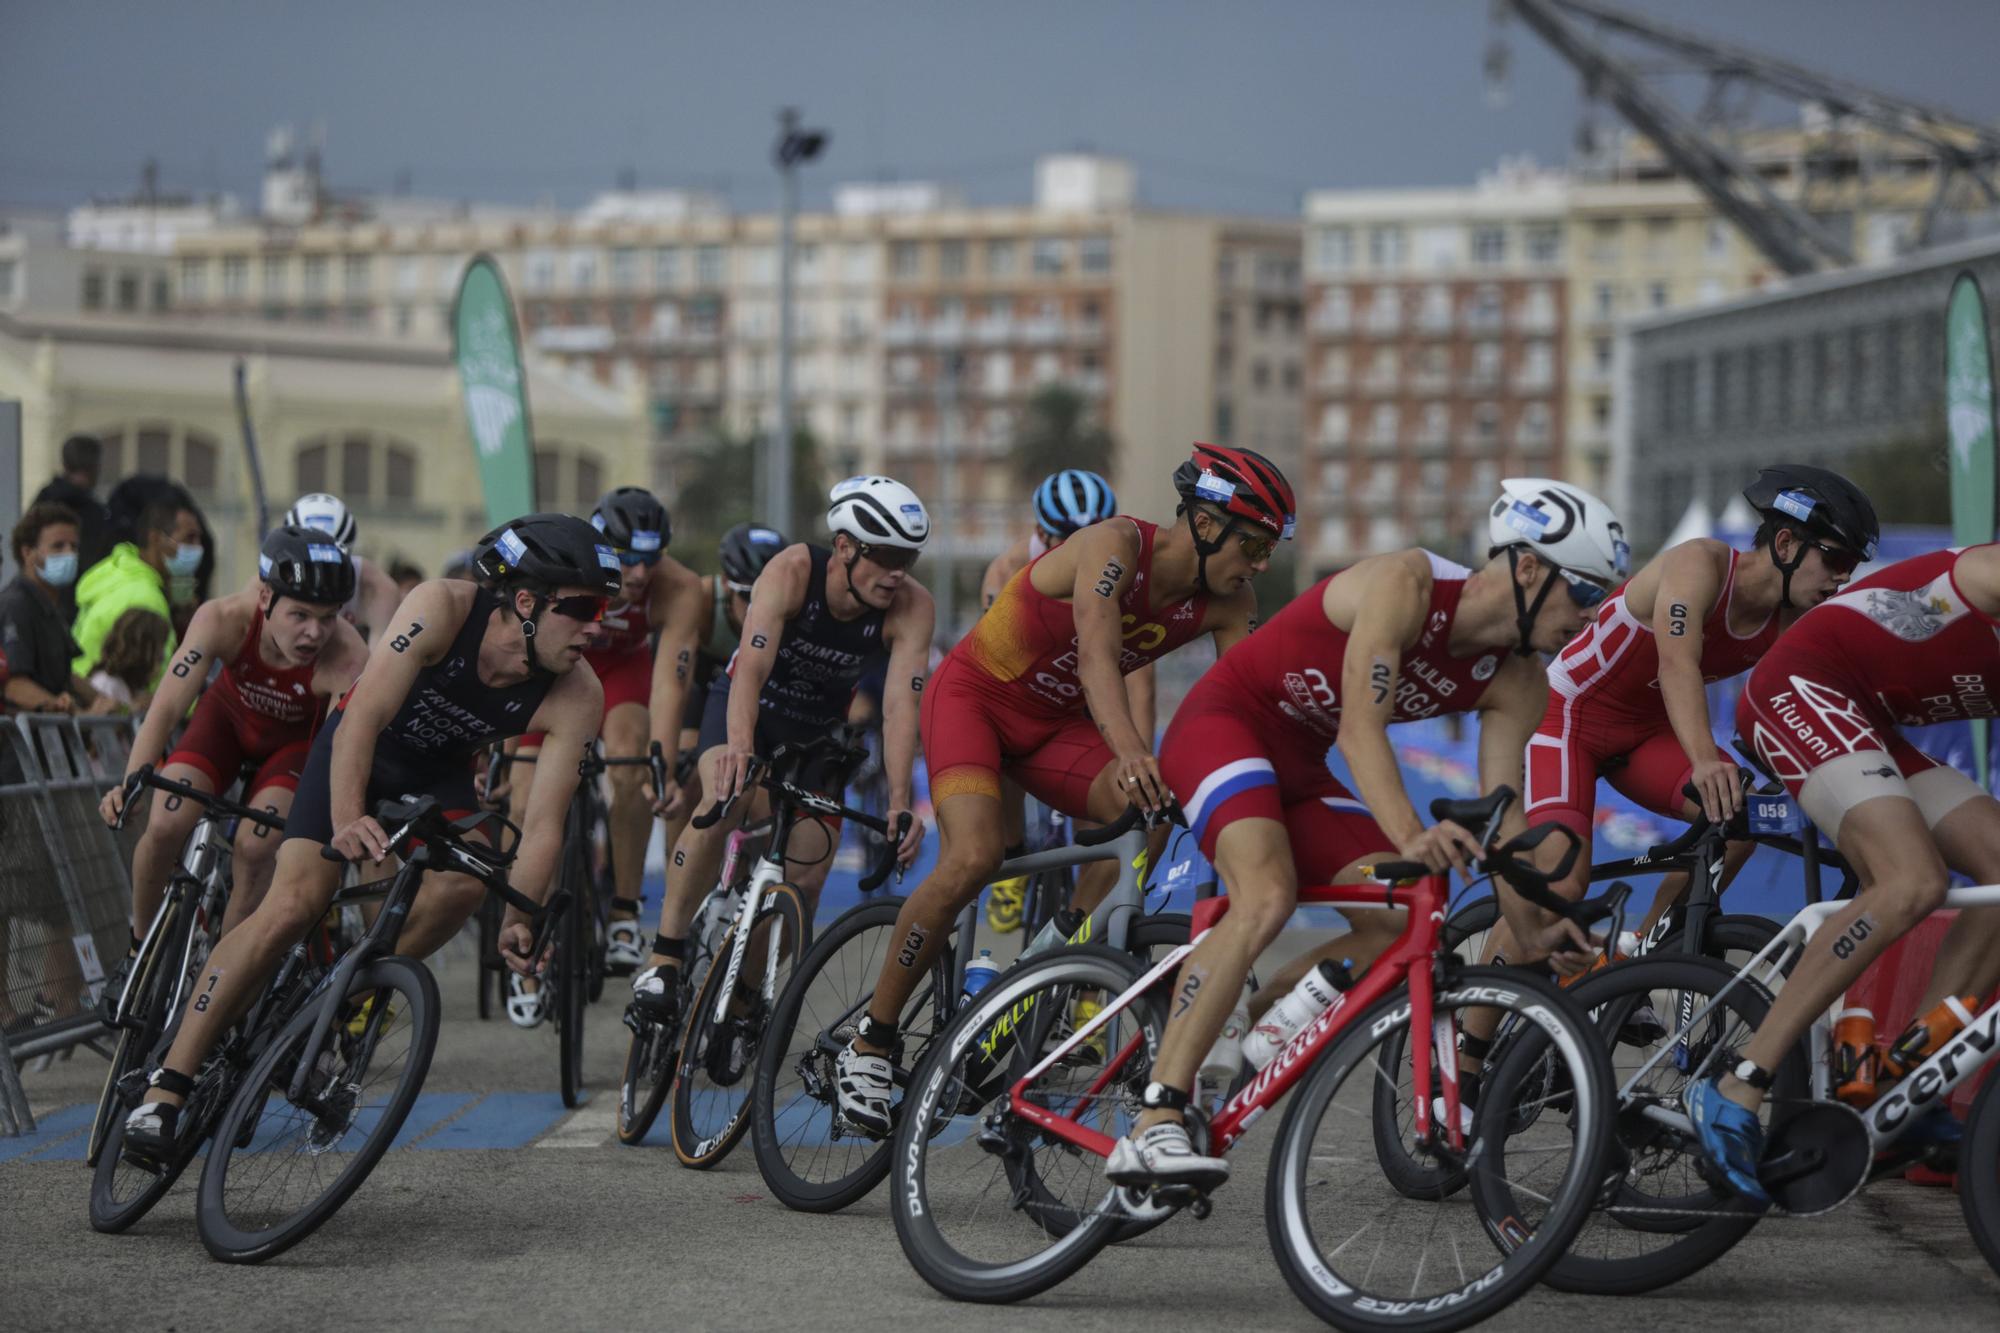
(732, 774)
(1721, 785)
(517, 938)
(1139, 781)
(112, 806)
(361, 838)
(913, 837)
(1444, 846)
(1565, 946)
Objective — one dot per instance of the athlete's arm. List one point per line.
(215, 630)
(379, 597)
(1690, 583)
(1142, 692)
(1509, 712)
(775, 599)
(415, 637)
(1005, 566)
(908, 628)
(1389, 615)
(1976, 574)
(569, 719)
(1106, 559)
(677, 600)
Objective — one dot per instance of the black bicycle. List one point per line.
(340, 1053)
(148, 1012)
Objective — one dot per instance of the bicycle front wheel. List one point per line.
(572, 986)
(1363, 1254)
(281, 1167)
(711, 1100)
(988, 1207)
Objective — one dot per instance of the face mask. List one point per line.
(59, 571)
(184, 561)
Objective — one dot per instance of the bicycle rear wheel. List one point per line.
(1979, 1171)
(280, 1168)
(570, 975)
(961, 1150)
(122, 1192)
(809, 1159)
(1363, 1254)
(712, 1088)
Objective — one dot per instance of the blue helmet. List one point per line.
(1072, 499)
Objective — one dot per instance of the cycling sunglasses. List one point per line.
(1257, 547)
(584, 608)
(1838, 560)
(891, 558)
(646, 558)
(1583, 591)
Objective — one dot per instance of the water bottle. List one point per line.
(1060, 927)
(1921, 1040)
(1856, 1061)
(1318, 991)
(1225, 1059)
(979, 973)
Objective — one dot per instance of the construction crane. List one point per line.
(1624, 58)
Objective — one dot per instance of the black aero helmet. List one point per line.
(547, 551)
(306, 564)
(746, 549)
(1818, 502)
(633, 519)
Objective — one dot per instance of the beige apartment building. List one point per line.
(918, 321)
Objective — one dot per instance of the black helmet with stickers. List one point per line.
(306, 564)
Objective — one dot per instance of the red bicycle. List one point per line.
(1000, 1192)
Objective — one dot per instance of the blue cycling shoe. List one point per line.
(1729, 1137)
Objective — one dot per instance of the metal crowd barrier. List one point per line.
(65, 888)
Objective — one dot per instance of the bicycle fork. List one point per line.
(762, 878)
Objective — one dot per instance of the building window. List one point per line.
(951, 260)
(1604, 236)
(274, 277)
(1656, 295)
(1486, 363)
(194, 280)
(1605, 300)
(1225, 421)
(1715, 242)
(1489, 245)
(354, 275)
(235, 277)
(666, 266)
(1485, 312)
(1538, 365)
(1544, 243)
(1333, 249)
(162, 294)
(1435, 315)
(1600, 357)
(1333, 424)
(583, 269)
(1093, 254)
(760, 265)
(624, 269)
(1291, 376)
(1534, 425)
(1003, 259)
(1260, 374)
(312, 277)
(541, 271)
(1049, 255)
(1388, 247)
(409, 274)
(363, 467)
(1383, 424)
(857, 263)
(1486, 423)
(708, 266)
(905, 260)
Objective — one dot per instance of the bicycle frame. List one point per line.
(1928, 1084)
(1411, 959)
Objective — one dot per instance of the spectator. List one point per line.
(166, 544)
(406, 575)
(82, 456)
(34, 615)
(132, 652)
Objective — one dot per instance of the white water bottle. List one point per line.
(1225, 1059)
(979, 973)
(1317, 992)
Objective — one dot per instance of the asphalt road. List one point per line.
(573, 1230)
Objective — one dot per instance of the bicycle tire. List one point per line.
(648, 1078)
(1560, 1028)
(1979, 1171)
(486, 922)
(111, 1211)
(569, 973)
(1610, 995)
(1732, 933)
(409, 983)
(698, 1142)
(808, 1112)
(921, 1129)
(143, 1025)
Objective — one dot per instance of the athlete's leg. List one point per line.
(626, 734)
(165, 837)
(256, 852)
(1968, 835)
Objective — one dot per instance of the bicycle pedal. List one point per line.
(1182, 1196)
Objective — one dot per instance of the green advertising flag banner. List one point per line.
(487, 347)
(1968, 396)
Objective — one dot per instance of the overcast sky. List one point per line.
(1238, 105)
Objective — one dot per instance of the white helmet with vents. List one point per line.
(879, 511)
(1563, 524)
(325, 512)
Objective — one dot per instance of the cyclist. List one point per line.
(818, 617)
(376, 595)
(1065, 503)
(1917, 642)
(285, 653)
(469, 665)
(1697, 612)
(1011, 699)
(1394, 638)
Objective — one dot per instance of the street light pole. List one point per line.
(794, 147)
(946, 525)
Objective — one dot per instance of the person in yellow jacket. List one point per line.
(166, 544)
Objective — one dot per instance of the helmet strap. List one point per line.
(1204, 549)
(1786, 568)
(528, 624)
(1524, 614)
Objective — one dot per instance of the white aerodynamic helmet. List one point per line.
(325, 512)
(879, 511)
(1564, 525)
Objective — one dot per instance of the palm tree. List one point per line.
(1055, 431)
(714, 483)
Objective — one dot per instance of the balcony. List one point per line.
(947, 332)
(1534, 381)
(1380, 385)
(1327, 320)
(1481, 381)
(1042, 331)
(1431, 382)
(903, 333)
(1381, 444)
(1531, 320)
(993, 330)
(1385, 323)
(1086, 330)
(1333, 439)
(1333, 381)
(1434, 323)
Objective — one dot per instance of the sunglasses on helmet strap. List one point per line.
(891, 558)
(584, 608)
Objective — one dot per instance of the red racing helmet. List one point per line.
(1241, 483)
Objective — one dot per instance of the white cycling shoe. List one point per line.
(525, 1008)
(863, 1087)
(1164, 1156)
(624, 951)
